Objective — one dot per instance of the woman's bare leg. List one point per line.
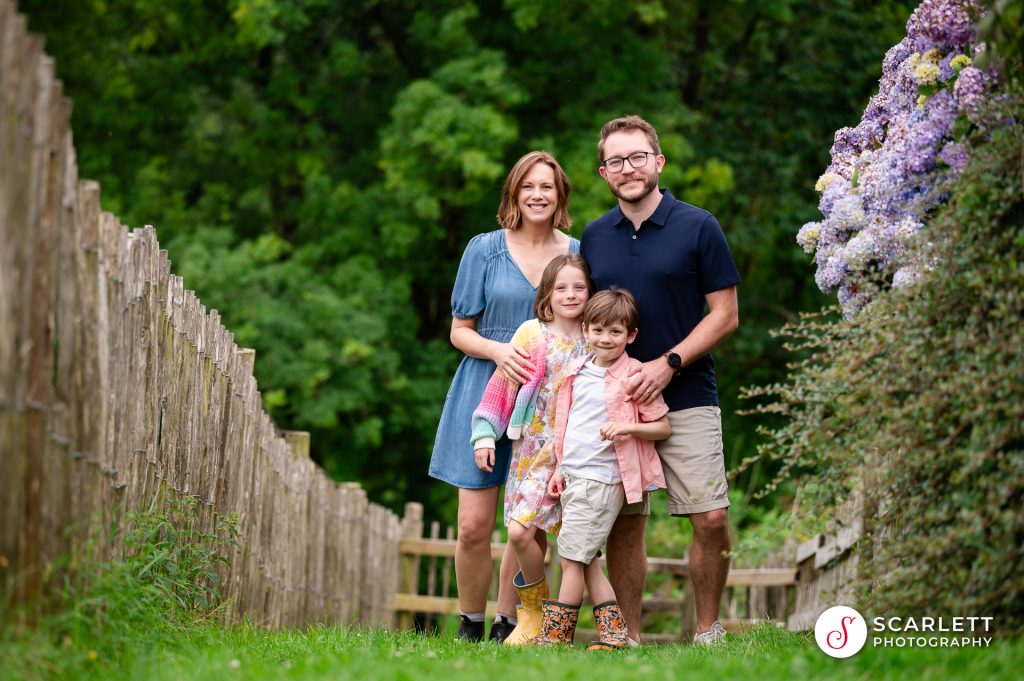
(477, 508)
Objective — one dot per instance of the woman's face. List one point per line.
(538, 195)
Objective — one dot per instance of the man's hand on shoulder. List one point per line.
(647, 380)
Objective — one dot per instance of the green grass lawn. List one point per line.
(763, 653)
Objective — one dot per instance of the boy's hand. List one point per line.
(484, 459)
(556, 485)
(614, 428)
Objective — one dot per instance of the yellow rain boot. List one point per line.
(532, 596)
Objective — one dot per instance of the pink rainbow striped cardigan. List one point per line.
(505, 406)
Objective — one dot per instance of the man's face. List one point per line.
(631, 184)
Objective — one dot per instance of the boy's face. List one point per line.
(608, 341)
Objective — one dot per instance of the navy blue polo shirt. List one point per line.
(678, 255)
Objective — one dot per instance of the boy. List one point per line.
(605, 457)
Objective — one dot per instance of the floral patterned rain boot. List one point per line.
(611, 627)
(558, 625)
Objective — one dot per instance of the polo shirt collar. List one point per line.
(659, 217)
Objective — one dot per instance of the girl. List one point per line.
(552, 341)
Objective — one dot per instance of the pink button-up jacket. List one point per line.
(639, 464)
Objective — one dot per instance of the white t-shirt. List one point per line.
(584, 453)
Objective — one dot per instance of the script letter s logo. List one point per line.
(845, 640)
(841, 637)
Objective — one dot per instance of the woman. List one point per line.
(494, 293)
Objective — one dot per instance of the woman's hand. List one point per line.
(484, 459)
(513, 363)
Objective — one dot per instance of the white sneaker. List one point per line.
(714, 635)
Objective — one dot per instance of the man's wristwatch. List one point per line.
(674, 361)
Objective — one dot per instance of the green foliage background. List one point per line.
(315, 169)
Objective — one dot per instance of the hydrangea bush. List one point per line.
(882, 182)
(910, 411)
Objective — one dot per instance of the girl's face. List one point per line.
(538, 196)
(570, 293)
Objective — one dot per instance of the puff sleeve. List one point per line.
(468, 296)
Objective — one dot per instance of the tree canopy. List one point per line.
(315, 168)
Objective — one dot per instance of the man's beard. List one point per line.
(650, 183)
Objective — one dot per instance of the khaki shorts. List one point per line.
(589, 509)
(642, 507)
(694, 461)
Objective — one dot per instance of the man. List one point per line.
(674, 259)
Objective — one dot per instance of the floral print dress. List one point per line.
(533, 455)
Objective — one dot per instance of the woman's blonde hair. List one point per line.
(542, 306)
(509, 215)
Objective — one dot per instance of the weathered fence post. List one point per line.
(409, 576)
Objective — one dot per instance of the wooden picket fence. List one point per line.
(826, 565)
(120, 392)
(426, 593)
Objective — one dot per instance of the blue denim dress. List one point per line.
(491, 289)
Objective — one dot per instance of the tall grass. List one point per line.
(104, 610)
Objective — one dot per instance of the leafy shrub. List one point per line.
(916, 403)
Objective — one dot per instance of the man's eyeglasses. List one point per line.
(637, 160)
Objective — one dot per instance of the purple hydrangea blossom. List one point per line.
(942, 23)
(851, 298)
(847, 214)
(946, 67)
(807, 237)
(882, 179)
(919, 144)
(832, 273)
(860, 250)
(969, 90)
(832, 193)
(905, 276)
(954, 155)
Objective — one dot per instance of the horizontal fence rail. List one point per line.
(751, 595)
(120, 392)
